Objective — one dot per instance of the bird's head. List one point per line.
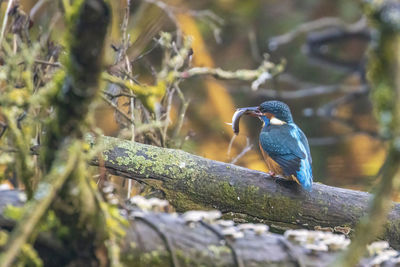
(273, 112)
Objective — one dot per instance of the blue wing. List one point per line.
(304, 140)
(305, 175)
(287, 145)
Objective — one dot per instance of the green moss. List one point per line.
(326, 210)
(179, 200)
(226, 192)
(3, 238)
(145, 160)
(189, 185)
(49, 223)
(202, 258)
(13, 212)
(133, 245)
(156, 258)
(281, 208)
(28, 257)
(152, 258)
(187, 260)
(218, 250)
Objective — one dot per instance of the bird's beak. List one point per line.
(252, 111)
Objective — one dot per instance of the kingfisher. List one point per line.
(283, 144)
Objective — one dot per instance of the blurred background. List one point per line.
(323, 42)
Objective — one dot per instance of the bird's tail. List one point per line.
(304, 175)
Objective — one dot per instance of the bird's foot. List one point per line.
(272, 174)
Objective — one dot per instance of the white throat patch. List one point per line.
(276, 121)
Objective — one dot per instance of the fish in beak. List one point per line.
(251, 111)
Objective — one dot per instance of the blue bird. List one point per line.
(283, 144)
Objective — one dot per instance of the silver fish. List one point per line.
(238, 114)
(236, 118)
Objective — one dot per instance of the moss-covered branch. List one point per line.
(77, 86)
(192, 182)
(264, 72)
(63, 160)
(36, 208)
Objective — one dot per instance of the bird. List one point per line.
(283, 144)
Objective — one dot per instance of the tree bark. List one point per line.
(192, 182)
(162, 239)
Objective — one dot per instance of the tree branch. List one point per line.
(192, 182)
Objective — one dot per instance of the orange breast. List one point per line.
(271, 164)
(274, 167)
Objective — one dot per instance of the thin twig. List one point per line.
(112, 96)
(156, 44)
(3, 128)
(246, 75)
(207, 16)
(117, 109)
(3, 27)
(167, 119)
(139, 129)
(182, 111)
(230, 145)
(254, 49)
(309, 92)
(125, 45)
(276, 41)
(305, 89)
(246, 149)
(8, 149)
(36, 8)
(43, 62)
(132, 102)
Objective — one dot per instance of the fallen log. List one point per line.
(162, 239)
(192, 182)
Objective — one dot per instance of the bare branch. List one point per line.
(306, 27)
(5, 19)
(246, 149)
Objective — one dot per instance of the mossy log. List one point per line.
(192, 182)
(162, 239)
